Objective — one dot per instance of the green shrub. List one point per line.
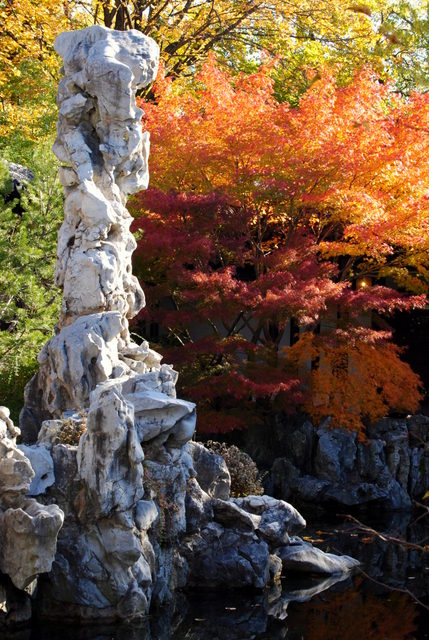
(29, 301)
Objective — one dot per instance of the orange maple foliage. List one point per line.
(350, 164)
(354, 378)
(260, 213)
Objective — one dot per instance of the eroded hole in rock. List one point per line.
(114, 235)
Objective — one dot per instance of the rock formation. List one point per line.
(107, 437)
(104, 155)
(28, 530)
(331, 467)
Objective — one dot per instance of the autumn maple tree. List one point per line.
(271, 236)
(271, 203)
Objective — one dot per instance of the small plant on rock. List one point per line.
(71, 430)
(245, 478)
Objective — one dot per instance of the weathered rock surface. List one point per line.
(278, 519)
(43, 466)
(145, 514)
(103, 148)
(212, 472)
(28, 540)
(28, 530)
(221, 557)
(198, 505)
(229, 514)
(110, 456)
(301, 557)
(16, 474)
(20, 174)
(133, 535)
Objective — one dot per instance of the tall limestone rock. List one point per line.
(91, 372)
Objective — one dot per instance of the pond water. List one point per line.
(375, 606)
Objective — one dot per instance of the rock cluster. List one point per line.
(28, 529)
(332, 467)
(146, 511)
(245, 541)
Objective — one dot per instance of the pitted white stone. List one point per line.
(104, 153)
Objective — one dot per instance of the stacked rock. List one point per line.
(91, 370)
(104, 153)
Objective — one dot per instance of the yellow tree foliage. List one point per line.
(305, 35)
(187, 30)
(29, 67)
(391, 35)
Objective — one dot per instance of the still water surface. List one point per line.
(367, 608)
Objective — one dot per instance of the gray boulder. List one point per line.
(230, 515)
(390, 467)
(226, 558)
(110, 444)
(43, 466)
(28, 530)
(199, 509)
(350, 494)
(302, 557)
(20, 174)
(310, 488)
(336, 453)
(302, 443)
(285, 477)
(29, 540)
(418, 429)
(278, 519)
(145, 514)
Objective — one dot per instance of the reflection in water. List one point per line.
(239, 618)
(300, 608)
(355, 615)
(208, 616)
(384, 561)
